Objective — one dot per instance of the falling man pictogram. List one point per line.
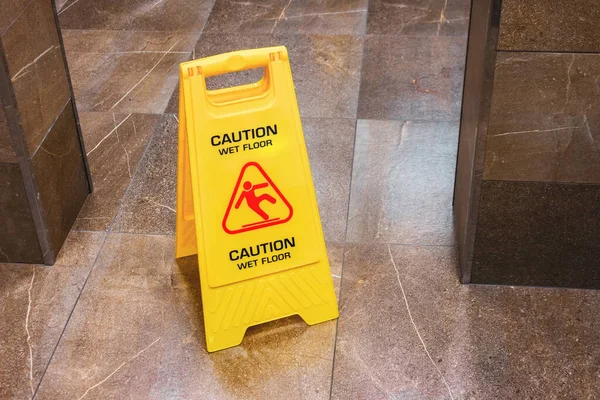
(252, 189)
(254, 201)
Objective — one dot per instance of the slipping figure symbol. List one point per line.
(253, 201)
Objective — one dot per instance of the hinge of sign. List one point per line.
(191, 71)
(275, 56)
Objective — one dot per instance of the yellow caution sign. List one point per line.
(245, 199)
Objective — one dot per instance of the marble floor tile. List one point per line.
(409, 329)
(412, 78)
(127, 42)
(347, 17)
(149, 206)
(416, 18)
(137, 333)
(125, 71)
(138, 15)
(326, 69)
(35, 303)
(330, 145)
(115, 144)
(151, 200)
(403, 182)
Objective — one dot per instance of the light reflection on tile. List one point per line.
(402, 182)
(142, 309)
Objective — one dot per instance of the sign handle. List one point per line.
(238, 61)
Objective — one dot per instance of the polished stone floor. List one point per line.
(379, 86)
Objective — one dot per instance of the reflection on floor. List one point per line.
(379, 88)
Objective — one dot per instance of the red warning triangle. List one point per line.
(256, 202)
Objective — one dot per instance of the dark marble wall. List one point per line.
(43, 170)
(18, 238)
(538, 233)
(550, 25)
(531, 215)
(7, 152)
(545, 118)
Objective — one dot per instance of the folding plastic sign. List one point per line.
(245, 199)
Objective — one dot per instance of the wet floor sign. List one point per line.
(245, 199)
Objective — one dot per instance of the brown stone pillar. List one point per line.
(44, 178)
(527, 197)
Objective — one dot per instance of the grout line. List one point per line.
(541, 182)
(205, 23)
(362, 66)
(546, 52)
(501, 286)
(351, 181)
(415, 120)
(337, 323)
(182, 33)
(130, 52)
(320, 14)
(398, 244)
(131, 233)
(448, 38)
(69, 317)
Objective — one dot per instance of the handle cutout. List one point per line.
(234, 80)
(224, 93)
